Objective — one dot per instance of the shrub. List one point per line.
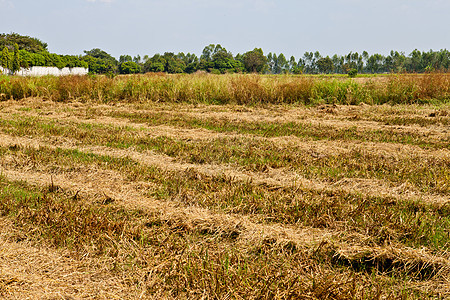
(352, 73)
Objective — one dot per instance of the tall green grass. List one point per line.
(234, 89)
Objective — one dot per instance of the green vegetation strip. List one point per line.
(413, 223)
(430, 175)
(166, 256)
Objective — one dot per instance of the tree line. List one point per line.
(216, 59)
(23, 51)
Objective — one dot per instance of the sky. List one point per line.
(290, 27)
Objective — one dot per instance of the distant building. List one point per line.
(43, 71)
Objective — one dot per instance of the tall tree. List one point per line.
(282, 64)
(137, 59)
(207, 52)
(308, 59)
(156, 63)
(173, 64)
(129, 67)
(222, 59)
(270, 62)
(100, 62)
(169, 62)
(15, 64)
(292, 63)
(325, 65)
(98, 53)
(375, 63)
(273, 63)
(5, 59)
(27, 43)
(255, 61)
(125, 58)
(337, 64)
(416, 61)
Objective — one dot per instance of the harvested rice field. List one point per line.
(149, 200)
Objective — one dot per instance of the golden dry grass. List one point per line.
(231, 89)
(223, 201)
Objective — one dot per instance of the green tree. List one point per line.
(216, 59)
(190, 60)
(27, 43)
(443, 58)
(292, 64)
(155, 64)
(173, 64)
(57, 60)
(365, 58)
(396, 61)
(224, 62)
(137, 59)
(37, 59)
(325, 65)
(271, 62)
(352, 73)
(98, 53)
(187, 58)
(15, 64)
(125, 58)
(309, 62)
(129, 67)
(100, 62)
(255, 61)
(416, 61)
(99, 66)
(168, 62)
(5, 59)
(26, 59)
(281, 64)
(375, 63)
(207, 52)
(338, 64)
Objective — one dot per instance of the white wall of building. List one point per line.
(43, 71)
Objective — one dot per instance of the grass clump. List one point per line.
(231, 88)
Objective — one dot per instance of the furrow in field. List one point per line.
(165, 200)
(433, 134)
(117, 115)
(97, 184)
(31, 272)
(320, 147)
(346, 248)
(334, 116)
(274, 178)
(261, 154)
(383, 114)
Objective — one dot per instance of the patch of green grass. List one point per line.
(26, 109)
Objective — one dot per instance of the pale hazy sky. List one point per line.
(287, 26)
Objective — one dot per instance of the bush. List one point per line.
(352, 73)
